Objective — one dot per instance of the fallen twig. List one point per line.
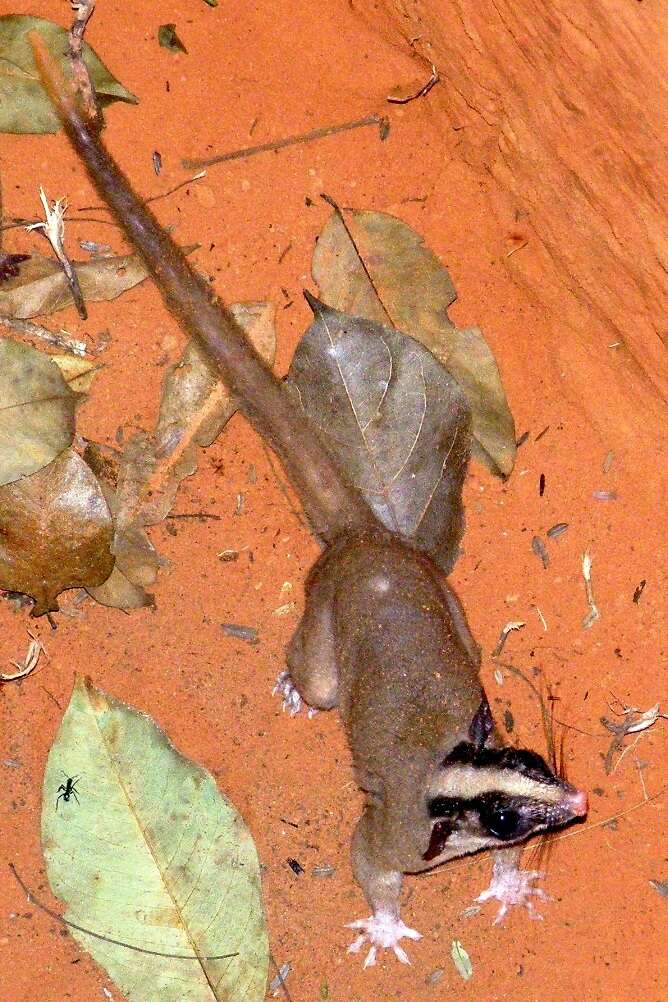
(593, 613)
(424, 89)
(62, 340)
(280, 144)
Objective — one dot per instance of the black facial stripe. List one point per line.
(439, 836)
(520, 760)
(445, 807)
(504, 816)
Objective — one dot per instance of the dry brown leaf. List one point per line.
(372, 265)
(137, 560)
(141, 486)
(195, 407)
(41, 286)
(117, 592)
(77, 372)
(36, 411)
(55, 532)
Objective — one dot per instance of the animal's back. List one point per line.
(407, 678)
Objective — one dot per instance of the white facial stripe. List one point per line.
(466, 782)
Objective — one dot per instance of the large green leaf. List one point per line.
(24, 106)
(149, 853)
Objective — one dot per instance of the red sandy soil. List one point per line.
(543, 137)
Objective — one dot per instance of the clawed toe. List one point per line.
(512, 886)
(384, 931)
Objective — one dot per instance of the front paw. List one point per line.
(381, 930)
(512, 886)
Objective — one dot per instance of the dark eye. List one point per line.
(502, 822)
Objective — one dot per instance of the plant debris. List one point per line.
(247, 633)
(461, 960)
(503, 636)
(277, 984)
(373, 265)
(636, 721)
(57, 530)
(281, 144)
(29, 663)
(593, 613)
(53, 228)
(639, 590)
(394, 419)
(557, 530)
(400, 96)
(168, 39)
(538, 547)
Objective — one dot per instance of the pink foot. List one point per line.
(512, 886)
(381, 930)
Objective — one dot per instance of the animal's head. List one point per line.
(483, 797)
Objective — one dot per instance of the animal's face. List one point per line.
(484, 797)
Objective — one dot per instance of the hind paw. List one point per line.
(292, 701)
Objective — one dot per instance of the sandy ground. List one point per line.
(251, 76)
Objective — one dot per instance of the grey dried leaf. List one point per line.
(372, 265)
(394, 419)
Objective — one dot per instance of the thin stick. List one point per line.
(280, 144)
(424, 89)
(153, 198)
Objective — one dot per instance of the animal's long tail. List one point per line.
(331, 503)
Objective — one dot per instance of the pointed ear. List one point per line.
(440, 834)
(482, 725)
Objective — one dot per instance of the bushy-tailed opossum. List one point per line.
(383, 636)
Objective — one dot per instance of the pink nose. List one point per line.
(578, 802)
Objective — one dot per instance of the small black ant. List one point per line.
(67, 790)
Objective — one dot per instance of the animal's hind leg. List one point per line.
(311, 654)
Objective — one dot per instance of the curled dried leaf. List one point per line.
(373, 265)
(42, 287)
